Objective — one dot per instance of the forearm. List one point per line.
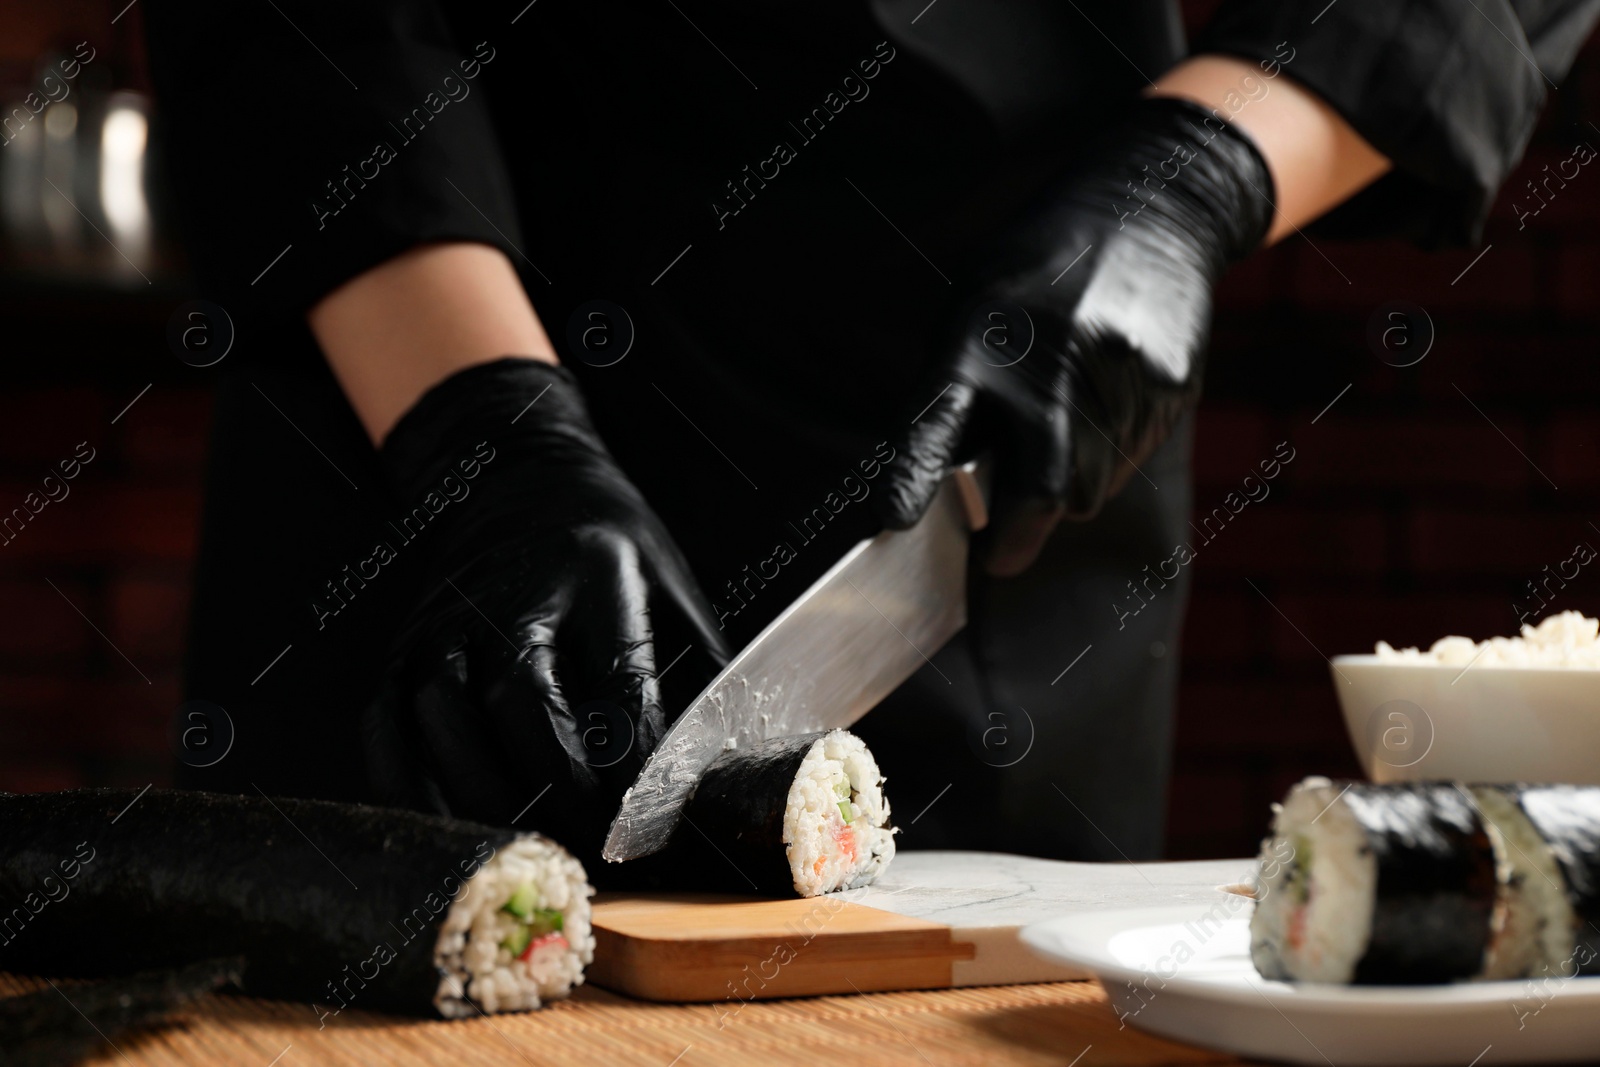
(392, 333)
(1317, 160)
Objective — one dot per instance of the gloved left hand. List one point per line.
(1083, 345)
(553, 600)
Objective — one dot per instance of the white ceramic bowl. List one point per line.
(1412, 721)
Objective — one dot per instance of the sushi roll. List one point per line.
(338, 905)
(803, 815)
(1429, 882)
(1374, 884)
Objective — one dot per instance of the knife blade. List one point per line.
(847, 642)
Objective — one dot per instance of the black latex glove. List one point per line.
(552, 598)
(1111, 274)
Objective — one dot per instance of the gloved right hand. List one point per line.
(1112, 281)
(553, 596)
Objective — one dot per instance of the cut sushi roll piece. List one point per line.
(1567, 819)
(802, 814)
(1374, 884)
(338, 905)
(1531, 932)
(1389, 886)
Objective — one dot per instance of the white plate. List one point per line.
(1184, 972)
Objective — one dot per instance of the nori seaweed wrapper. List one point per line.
(1568, 818)
(1436, 883)
(738, 807)
(338, 904)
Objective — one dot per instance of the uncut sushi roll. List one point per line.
(1374, 884)
(338, 905)
(803, 815)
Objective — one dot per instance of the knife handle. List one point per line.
(972, 485)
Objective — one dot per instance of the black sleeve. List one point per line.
(332, 135)
(1449, 90)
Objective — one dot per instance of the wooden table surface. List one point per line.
(1064, 1023)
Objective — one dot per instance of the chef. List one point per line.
(571, 341)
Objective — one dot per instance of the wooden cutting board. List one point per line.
(936, 920)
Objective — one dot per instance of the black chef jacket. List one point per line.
(781, 197)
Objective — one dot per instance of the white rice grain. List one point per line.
(1313, 914)
(1570, 639)
(468, 952)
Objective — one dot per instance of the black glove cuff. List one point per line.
(1202, 159)
(517, 407)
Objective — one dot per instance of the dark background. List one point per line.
(1405, 515)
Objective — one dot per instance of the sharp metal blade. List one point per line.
(861, 629)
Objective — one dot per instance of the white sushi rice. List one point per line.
(1315, 899)
(825, 852)
(469, 954)
(1570, 639)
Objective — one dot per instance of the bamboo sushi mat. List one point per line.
(1060, 1023)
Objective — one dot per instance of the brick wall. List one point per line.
(1408, 513)
(94, 588)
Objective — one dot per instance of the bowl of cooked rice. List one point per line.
(1508, 709)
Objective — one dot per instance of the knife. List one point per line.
(862, 628)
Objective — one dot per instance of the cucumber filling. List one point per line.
(533, 922)
(1299, 879)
